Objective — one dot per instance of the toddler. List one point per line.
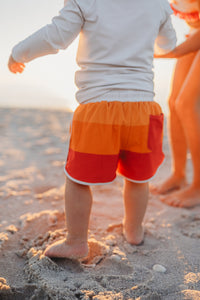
(117, 127)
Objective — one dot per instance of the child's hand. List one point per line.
(15, 67)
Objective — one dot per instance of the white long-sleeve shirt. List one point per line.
(116, 45)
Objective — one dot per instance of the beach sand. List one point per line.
(32, 157)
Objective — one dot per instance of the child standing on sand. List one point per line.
(117, 126)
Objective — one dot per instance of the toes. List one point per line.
(48, 252)
(61, 250)
(164, 199)
(176, 202)
(172, 201)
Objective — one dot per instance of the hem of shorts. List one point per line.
(87, 183)
(146, 180)
(137, 181)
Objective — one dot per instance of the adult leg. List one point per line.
(188, 109)
(135, 203)
(78, 201)
(176, 131)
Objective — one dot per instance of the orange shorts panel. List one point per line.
(115, 136)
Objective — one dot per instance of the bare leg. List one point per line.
(78, 201)
(135, 203)
(177, 134)
(188, 108)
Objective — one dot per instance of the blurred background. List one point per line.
(48, 82)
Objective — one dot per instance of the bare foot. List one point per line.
(188, 197)
(65, 249)
(134, 237)
(169, 185)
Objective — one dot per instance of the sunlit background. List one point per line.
(48, 82)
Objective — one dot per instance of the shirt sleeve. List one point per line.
(166, 39)
(63, 29)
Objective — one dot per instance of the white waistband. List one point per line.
(123, 96)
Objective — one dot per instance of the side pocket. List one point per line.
(155, 136)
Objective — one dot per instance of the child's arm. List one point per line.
(14, 66)
(192, 44)
(50, 38)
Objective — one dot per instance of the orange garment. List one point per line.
(115, 136)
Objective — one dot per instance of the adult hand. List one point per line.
(167, 55)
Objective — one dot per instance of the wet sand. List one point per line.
(32, 157)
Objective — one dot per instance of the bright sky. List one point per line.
(49, 81)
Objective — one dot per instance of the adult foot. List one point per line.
(66, 249)
(169, 185)
(188, 197)
(133, 236)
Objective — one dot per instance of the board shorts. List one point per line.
(115, 137)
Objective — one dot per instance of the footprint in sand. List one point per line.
(190, 226)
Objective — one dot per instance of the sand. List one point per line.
(32, 157)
